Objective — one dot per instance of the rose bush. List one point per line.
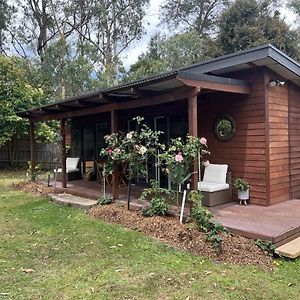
(132, 150)
(179, 157)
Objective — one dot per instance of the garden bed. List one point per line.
(36, 188)
(235, 249)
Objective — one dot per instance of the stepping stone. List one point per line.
(71, 200)
(290, 249)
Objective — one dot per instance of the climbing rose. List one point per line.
(203, 141)
(109, 150)
(129, 135)
(142, 150)
(206, 163)
(179, 157)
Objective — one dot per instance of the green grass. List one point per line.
(76, 257)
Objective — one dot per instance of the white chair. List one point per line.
(216, 186)
(72, 170)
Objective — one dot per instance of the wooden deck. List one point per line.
(278, 223)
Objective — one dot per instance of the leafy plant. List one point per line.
(37, 170)
(204, 221)
(105, 200)
(155, 191)
(241, 184)
(266, 246)
(159, 207)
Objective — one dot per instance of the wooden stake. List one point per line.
(32, 151)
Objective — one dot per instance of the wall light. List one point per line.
(274, 83)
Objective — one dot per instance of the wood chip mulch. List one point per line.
(235, 249)
(37, 189)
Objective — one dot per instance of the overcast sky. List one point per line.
(151, 25)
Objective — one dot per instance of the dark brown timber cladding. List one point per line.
(294, 129)
(245, 153)
(279, 159)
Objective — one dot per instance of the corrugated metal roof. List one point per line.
(215, 66)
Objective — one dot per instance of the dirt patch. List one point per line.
(37, 189)
(235, 249)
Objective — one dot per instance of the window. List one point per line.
(224, 128)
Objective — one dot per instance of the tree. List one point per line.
(251, 23)
(197, 15)
(110, 27)
(6, 12)
(295, 6)
(18, 94)
(167, 54)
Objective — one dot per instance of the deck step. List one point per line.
(290, 249)
(71, 200)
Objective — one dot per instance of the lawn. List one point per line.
(55, 252)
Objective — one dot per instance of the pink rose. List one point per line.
(109, 150)
(206, 163)
(203, 141)
(178, 157)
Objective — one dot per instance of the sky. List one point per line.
(151, 26)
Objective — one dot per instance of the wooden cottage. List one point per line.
(246, 104)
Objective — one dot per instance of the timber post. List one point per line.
(63, 153)
(115, 176)
(193, 130)
(32, 150)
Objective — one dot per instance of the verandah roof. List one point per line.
(206, 75)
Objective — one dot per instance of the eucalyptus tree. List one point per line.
(6, 12)
(197, 15)
(109, 28)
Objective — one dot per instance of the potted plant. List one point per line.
(242, 186)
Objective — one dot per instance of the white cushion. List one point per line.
(206, 186)
(68, 170)
(72, 163)
(215, 173)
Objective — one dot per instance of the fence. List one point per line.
(47, 154)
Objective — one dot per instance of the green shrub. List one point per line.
(159, 207)
(204, 221)
(266, 246)
(105, 200)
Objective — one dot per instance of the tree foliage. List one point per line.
(6, 12)
(78, 44)
(166, 54)
(252, 23)
(197, 15)
(16, 94)
(295, 6)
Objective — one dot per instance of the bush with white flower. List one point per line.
(132, 150)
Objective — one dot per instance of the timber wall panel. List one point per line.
(245, 153)
(278, 117)
(294, 131)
